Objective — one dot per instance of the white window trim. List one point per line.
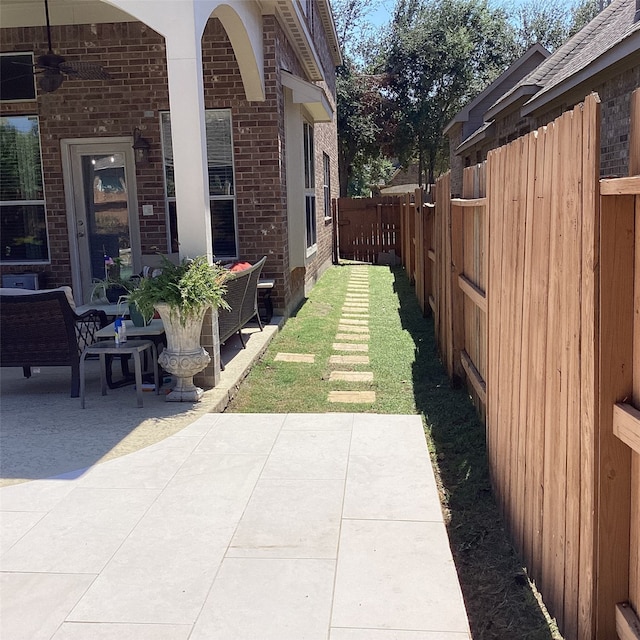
(43, 202)
(169, 199)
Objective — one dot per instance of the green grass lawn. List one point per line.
(409, 379)
(281, 387)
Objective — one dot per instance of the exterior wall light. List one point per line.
(141, 147)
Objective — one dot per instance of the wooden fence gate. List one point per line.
(368, 227)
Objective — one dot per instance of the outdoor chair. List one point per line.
(41, 329)
(242, 297)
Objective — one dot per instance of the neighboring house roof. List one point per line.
(507, 79)
(611, 37)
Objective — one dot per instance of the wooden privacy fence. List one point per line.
(368, 227)
(530, 277)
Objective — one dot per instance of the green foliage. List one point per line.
(359, 122)
(187, 288)
(441, 54)
(367, 174)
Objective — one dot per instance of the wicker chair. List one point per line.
(242, 296)
(42, 330)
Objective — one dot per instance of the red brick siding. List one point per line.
(135, 58)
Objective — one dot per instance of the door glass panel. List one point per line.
(107, 215)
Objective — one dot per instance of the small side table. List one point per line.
(131, 347)
(154, 331)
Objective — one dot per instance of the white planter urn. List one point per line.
(183, 357)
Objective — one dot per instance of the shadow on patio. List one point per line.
(45, 433)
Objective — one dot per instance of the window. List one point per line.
(309, 185)
(16, 71)
(326, 187)
(221, 182)
(23, 224)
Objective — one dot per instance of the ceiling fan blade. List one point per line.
(84, 70)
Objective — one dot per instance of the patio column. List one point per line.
(182, 23)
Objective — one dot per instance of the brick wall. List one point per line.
(135, 57)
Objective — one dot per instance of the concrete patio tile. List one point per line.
(264, 599)
(295, 357)
(352, 336)
(318, 422)
(163, 571)
(345, 346)
(290, 519)
(16, 524)
(201, 426)
(154, 467)
(106, 631)
(250, 421)
(394, 634)
(388, 435)
(352, 397)
(351, 376)
(309, 454)
(230, 438)
(37, 495)
(397, 575)
(388, 488)
(81, 533)
(35, 604)
(349, 360)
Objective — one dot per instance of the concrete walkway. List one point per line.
(237, 527)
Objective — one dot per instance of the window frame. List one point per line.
(326, 186)
(7, 54)
(31, 203)
(309, 182)
(212, 198)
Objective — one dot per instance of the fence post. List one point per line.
(457, 297)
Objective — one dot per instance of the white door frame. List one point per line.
(71, 149)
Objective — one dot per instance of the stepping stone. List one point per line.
(352, 336)
(358, 296)
(349, 360)
(344, 346)
(295, 357)
(353, 397)
(364, 310)
(355, 315)
(351, 376)
(349, 321)
(353, 329)
(356, 304)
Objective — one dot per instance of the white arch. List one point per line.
(243, 23)
(182, 23)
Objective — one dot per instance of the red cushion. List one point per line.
(241, 266)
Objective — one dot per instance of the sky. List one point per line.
(382, 14)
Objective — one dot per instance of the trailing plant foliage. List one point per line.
(188, 288)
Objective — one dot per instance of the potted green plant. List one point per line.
(113, 287)
(182, 294)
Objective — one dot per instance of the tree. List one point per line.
(441, 53)
(359, 101)
(550, 23)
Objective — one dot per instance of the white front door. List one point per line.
(102, 211)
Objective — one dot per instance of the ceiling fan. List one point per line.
(54, 68)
